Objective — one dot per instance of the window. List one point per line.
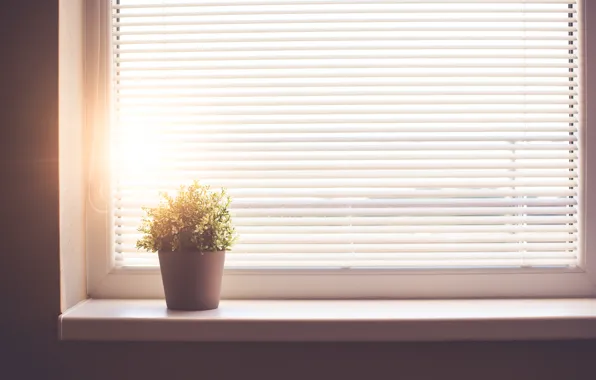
(407, 143)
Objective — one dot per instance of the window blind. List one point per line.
(353, 133)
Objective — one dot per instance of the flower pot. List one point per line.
(192, 279)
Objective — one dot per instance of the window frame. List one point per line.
(106, 280)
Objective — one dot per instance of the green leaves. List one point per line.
(196, 219)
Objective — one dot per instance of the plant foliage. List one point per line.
(195, 219)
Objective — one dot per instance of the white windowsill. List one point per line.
(333, 320)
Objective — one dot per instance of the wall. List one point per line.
(71, 169)
(30, 291)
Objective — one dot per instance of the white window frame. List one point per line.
(105, 280)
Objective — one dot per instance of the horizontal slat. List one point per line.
(355, 258)
(347, 212)
(367, 165)
(341, 175)
(461, 193)
(445, 51)
(502, 261)
(363, 183)
(336, 28)
(249, 243)
(196, 47)
(430, 154)
(380, 238)
(392, 109)
(464, 204)
(562, 178)
(150, 194)
(344, 9)
(357, 133)
(166, 46)
(388, 221)
(180, 104)
(315, 230)
(357, 248)
(175, 92)
(332, 119)
(388, 248)
(205, 3)
(182, 159)
(311, 20)
(321, 129)
(235, 259)
(374, 27)
(133, 262)
(426, 229)
(181, 74)
(155, 82)
(195, 63)
(509, 263)
(380, 211)
(368, 146)
(297, 57)
(380, 108)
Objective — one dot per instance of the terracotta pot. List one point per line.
(192, 279)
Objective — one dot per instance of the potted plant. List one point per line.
(191, 233)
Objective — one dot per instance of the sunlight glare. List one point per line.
(138, 153)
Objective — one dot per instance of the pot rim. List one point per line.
(190, 252)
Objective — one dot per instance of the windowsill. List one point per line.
(333, 320)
